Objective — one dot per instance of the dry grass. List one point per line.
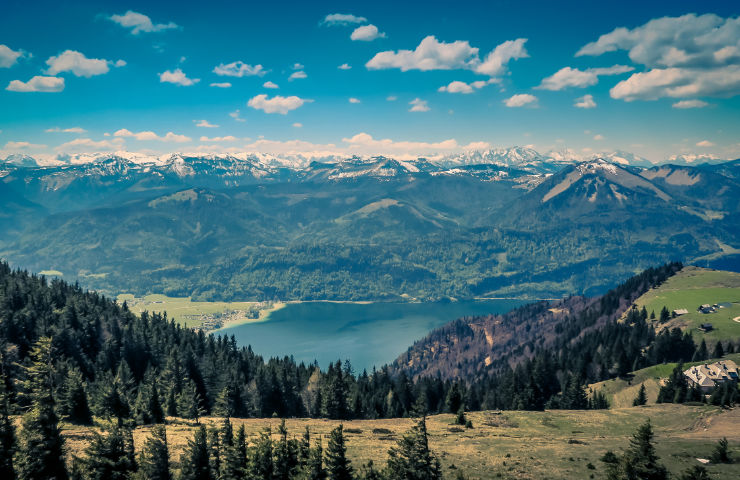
(522, 445)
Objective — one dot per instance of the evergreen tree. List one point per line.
(40, 452)
(721, 454)
(111, 456)
(214, 452)
(702, 353)
(696, 472)
(368, 472)
(665, 315)
(641, 398)
(195, 461)
(189, 403)
(73, 404)
(412, 459)
(304, 448)
(7, 434)
(234, 465)
(262, 465)
(314, 469)
(639, 461)
(338, 465)
(154, 460)
(718, 351)
(286, 454)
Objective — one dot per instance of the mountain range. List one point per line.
(494, 223)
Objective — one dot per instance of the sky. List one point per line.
(397, 78)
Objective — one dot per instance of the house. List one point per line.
(708, 376)
(680, 311)
(706, 327)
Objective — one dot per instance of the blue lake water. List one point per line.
(367, 334)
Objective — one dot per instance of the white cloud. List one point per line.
(9, 57)
(496, 62)
(521, 100)
(22, 146)
(586, 101)
(690, 55)
(704, 143)
(690, 104)
(151, 136)
(87, 144)
(139, 22)
(298, 125)
(227, 138)
(65, 130)
(239, 69)
(235, 115)
(37, 84)
(342, 19)
(462, 87)
(685, 41)
(418, 105)
(598, 136)
(366, 33)
(221, 85)
(429, 55)
(204, 124)
(177, 77)
(344, 66)
(120, 63)
(276, 104)
(573, 77)
(456, 87)
(298, 66)
(391, 98)
(432, 54)
(679, 83)
(365, 144)
(270, 84)
(77, 63)
(297, 75)
(354, 100)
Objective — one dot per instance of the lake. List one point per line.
(367, 334)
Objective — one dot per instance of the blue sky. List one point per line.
(139, 76)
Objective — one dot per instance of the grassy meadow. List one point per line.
(695, 286)
(190, 314)
(510, 445)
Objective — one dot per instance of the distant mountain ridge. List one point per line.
(495, 223)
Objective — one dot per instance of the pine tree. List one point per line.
(368, 472)
(7, 434)
(412, 459)
(73, 403)
(40, 443)
(696, 472)
(641, 398)
(286, 455)
(718, 351)
(110, 456)
(214, 452)
(189, 402)
(304, 448)
(665, 315)
(701, 353)
(234, 465)
(195, 461)
(262, 464)
(337, 464)
(314, 469)
(640, 459)
(720, 454)
(154, 461)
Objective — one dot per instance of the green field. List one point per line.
(192, 314)
(692, 287)
(558, 444)
(621, 392)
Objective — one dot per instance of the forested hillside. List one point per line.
(362, 229)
